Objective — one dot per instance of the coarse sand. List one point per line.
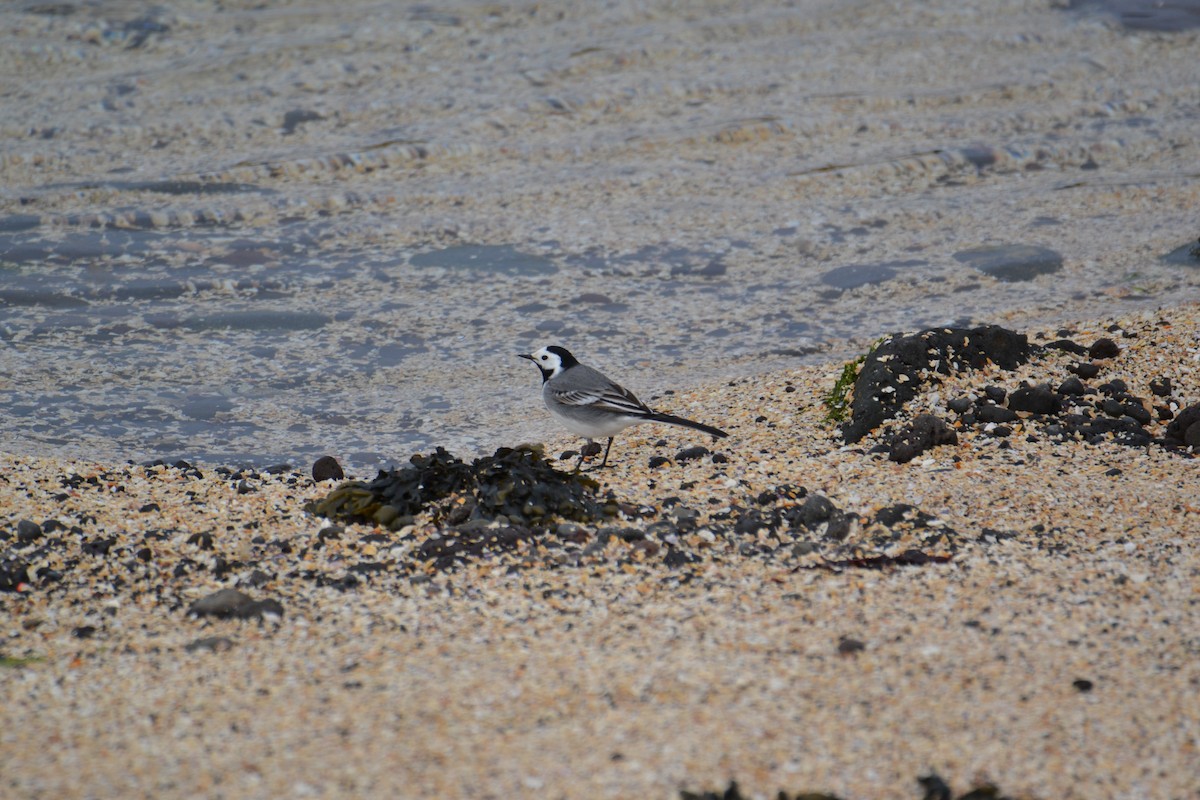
(1054, 654)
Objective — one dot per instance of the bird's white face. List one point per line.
(549, 363)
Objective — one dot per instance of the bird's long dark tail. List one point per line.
(687, 423)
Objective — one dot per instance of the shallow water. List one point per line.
(241, 234)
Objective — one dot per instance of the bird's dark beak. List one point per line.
(526, 355)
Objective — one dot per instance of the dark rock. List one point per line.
(879, 393)
(13, 577)
(297, 117)
(1035, 399)
(257, 578)
(934, 787)
(816, 509)
(98, 546)
(84, 632)
(839, 526)
(222, 603)
(749, 523)
(259, 609)
(959, 405)
(1177, 429)
(676, 557)
(924, 433)
(1072, 386)
(1067, 346)
(1085, 370)
(904, 514)
(146, 509)
(691, 453)
(28, 531)
(1116, 408)
(987, 412)
(1161, 387)
(1114, 388)
(231, 603)
(658, 461)
(591, 449)
(1083, 684)
(202, 540)
(326, 468)
(1104, 348)
(1191, 437)
(848, 647)
(995, 393)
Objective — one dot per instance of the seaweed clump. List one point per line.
(518, 484)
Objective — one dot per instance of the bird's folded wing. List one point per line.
(616, 399)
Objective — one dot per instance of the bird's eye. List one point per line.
(544, 358)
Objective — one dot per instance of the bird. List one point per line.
(592, 405)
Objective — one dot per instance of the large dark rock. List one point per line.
(879, 391)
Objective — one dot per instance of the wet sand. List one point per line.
(242, 233)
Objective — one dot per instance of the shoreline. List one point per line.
(1049, 655)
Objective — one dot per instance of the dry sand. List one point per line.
(1054, 655)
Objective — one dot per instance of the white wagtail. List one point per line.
(592, 405)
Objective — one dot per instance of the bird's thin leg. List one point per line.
(582, 453)
(604, 460)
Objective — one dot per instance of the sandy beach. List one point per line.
(1051, 654)
(238, 236)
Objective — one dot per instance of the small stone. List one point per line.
(658, 461)
(999, 414)
(227, 603)
(1072, 386)
(1085, 370)
(1035, 400)
(924, 433)
(849, 647)
(28, 531)
(1161, 387)
(326, 468)
(1067, 346)
(1083, 685)
(222, 603)
(213, 644)
(960, 405)
(816, 509)
(1104, 348)
(691, 453)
